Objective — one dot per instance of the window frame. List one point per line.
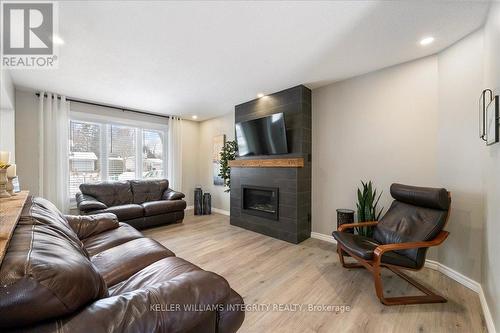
(105, 123)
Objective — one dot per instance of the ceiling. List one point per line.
(202, 58)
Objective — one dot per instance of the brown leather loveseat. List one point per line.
(140, 203)
(94, 274)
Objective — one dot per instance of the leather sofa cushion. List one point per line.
(363, 247)
(46, 272)
(173, 268)
(89, 225)
(111, 238)
(131, 311)
(408, 223)
(120, 262)
(110, 193)
(148, 190)
(158, 272)
(435, 198)
(163, 207)
(45, 213)
(124, 212)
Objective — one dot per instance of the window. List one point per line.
(84, 154)
(122, 153)
(152, 154)
(104, 150)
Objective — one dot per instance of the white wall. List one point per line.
(7, 94)
(27, 140)
(459, 152)
(491, 174)
(8, 131)
(7, 114)
(208, 130)
(190, 159)
(381, 127)
(126, 117)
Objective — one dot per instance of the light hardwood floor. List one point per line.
(265, 270)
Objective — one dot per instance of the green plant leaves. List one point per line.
(228, 153)
(367, 207)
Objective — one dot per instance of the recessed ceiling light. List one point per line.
(260, 95)
(426, 41)
(194, 117)
(57, 40)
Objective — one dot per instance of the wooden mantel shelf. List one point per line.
(269, 163)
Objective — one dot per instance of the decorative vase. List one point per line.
(10, 186)
(207, 204)
(198, 201)
(3, 184)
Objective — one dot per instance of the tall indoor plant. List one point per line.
(367, 207)
(227, 154)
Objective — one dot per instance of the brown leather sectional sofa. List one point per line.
(140, 203)
(95, 274)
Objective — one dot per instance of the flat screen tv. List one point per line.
(262, 136)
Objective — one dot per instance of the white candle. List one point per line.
(11, 171)
(5, 157)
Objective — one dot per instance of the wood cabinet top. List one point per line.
(10, 211)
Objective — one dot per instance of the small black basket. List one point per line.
(345, 216)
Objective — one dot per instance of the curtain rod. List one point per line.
(109, 106)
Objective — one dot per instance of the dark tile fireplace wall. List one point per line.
(293, 220)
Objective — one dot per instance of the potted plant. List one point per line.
(227, 154)
(367, 207)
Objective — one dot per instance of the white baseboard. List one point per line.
(220, 211)
(458, 277)
(451, 273)
(323, 237)
(215, 210)
(490, 324)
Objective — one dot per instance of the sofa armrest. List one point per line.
(170, 194)
(86, 203)
(90, 225)
(346, 226)
(233, 315)
(381, 249)
(162, 307)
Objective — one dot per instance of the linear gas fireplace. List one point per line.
(260, 201)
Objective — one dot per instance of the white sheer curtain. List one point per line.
(175, 153)
(53, 141)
